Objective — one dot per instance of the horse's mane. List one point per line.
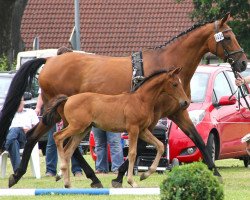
(195, 26)
(156, 73)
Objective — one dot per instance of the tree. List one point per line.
(207, 10)
(11, 12)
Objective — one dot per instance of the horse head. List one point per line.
(224, 44)
(175, 90)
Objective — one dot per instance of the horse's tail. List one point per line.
(51, 115)
(22, 79)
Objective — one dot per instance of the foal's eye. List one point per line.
(175, 84)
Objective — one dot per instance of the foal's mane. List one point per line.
(156, 73)
(195, 26)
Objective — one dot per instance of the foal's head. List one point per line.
(174, 89)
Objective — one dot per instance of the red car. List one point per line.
(217, 115)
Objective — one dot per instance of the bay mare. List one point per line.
(73, 73)
(130, 112)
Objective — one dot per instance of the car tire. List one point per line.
(211, 146)
(246, 161)
(175, 162)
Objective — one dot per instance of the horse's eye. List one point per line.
(175, 84)
(227, 38)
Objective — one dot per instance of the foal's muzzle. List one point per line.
(184, 104)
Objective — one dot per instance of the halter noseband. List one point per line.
(219, 38)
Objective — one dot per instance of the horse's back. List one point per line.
(73, 73)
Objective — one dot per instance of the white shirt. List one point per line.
(25, 119)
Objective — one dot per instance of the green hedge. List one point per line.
(191, 182)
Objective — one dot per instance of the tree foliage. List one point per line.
(207, 10)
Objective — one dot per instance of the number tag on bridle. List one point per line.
(219, 36)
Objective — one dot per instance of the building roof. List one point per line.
(111, 27)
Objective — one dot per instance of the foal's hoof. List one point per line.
(144, 176)
(67, 186)
(116, 184)
(12, 180)
(96, 185)
(134, 184)
(58, 177)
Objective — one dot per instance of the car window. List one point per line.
(198, 86)
(221, 87)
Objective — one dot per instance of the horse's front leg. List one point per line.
(184, 122)
(148, 137)
(133, 137)
(32, 136)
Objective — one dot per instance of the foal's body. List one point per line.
(131, 112)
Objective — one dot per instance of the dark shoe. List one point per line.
(48, 174)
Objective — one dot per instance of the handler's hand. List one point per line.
(239, 81)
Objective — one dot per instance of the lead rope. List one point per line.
(241, 91)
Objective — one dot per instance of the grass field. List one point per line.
(236, 181)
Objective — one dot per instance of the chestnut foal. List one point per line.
(132, 112)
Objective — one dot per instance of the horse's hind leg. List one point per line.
(183, 121)
(32, 136)
(148, 137)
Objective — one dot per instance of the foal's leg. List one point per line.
(184, 122)
(68, 152)
(59, 137)
(147, 136)
(133, 137)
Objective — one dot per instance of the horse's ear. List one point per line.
(225, 19)
(175, 71)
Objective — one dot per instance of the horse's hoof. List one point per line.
(220, 179)
(58, 177)
(96, 185)
(116, 184)
(12, 181)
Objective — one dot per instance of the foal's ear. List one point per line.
(175, 71)
(225, 19)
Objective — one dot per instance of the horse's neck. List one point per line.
(186, 52)
(151, 90)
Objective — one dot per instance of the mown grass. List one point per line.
(236, 181)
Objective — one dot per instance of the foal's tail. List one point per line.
(20, 82)
(51, 114)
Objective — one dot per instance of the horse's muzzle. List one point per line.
(239, 66)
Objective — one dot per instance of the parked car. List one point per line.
(219, 118)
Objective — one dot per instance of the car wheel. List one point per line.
(246, 161)
(211, 146)
(175, 162)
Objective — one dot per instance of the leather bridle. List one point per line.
(219, 38)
